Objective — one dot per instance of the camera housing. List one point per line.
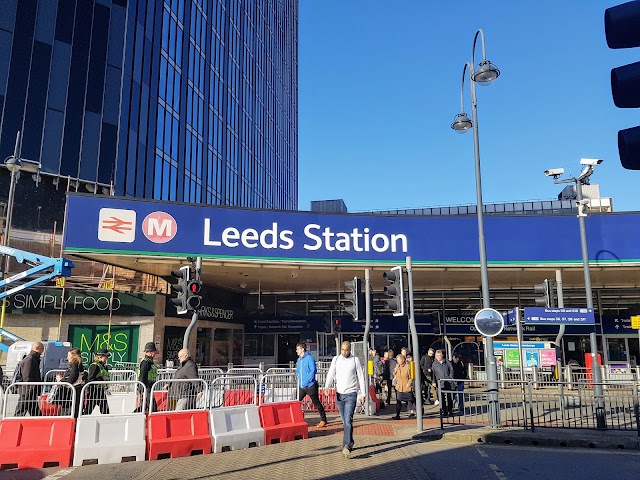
(590, 161)
(554, 172)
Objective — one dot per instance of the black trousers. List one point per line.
(312, 391)
(446, 399)
(28, 402)
(389, 391)
(96, 395)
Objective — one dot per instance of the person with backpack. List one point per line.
(348, 375)
(459, 373)
(28, 370)
(96, 395)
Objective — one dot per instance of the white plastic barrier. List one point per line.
(114, 436)
(109, 438)
(235, 428)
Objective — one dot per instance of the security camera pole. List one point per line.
(583, 179)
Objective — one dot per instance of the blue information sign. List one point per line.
(559, 316)
(509, 316)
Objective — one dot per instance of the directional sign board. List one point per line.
(489, 322)
(510, 316)
(559, 316)
(635, 322)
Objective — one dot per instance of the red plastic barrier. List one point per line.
(178, 434)
(374, 397)
(328, 400)
(283, 422)
(233, 398)
(36, 442)
(48, 409)
(162, 399)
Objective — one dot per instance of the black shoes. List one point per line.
(397, 417)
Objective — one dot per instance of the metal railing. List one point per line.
(551, 405)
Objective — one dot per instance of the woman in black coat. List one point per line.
(74, 375)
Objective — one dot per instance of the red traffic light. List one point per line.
(195, 287)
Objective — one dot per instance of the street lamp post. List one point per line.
(484, 74)
(583, 179)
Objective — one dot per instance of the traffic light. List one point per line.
(337, 325)
(193, 294)
(354, 298)
(395, 290)
(546, 290)
(181, 289)
(622, 30)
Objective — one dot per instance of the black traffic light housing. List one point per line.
(337, 325)
(546, 290)
(187, 289)
(180, 288)
(395, 291)
(622, 30)
(354, 299)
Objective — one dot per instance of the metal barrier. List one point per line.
(232, 390)
(555, 405)
(278, 387)
(209, 374)
(166, 373)
(24, 398)
(112, 397)
(51, 375)
(178, 394)
(123, 366)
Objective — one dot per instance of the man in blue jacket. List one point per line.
(306, 372)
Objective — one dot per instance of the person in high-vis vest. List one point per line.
(96, 395)
(148, 373)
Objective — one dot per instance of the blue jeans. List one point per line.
(347, 407)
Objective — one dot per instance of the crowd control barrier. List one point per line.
(30, 440)
(278, 387)
(114, 435)
(233, 390)
(234, 428)
(283, 422)
(182, 430)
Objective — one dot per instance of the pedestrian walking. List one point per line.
(185, 393)
(97, 394)
(347, 374)
(29, 371)
(148, 374)
(389, 368)
(443, 370)
(426, 362)
(460, 374)
(306, 372)
(404, 387)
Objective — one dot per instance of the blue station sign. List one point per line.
(559, 316)
(99, 224)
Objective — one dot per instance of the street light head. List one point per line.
(485, 73)
(13, 164)
(590, 161)
(554, 172)
(461, 123)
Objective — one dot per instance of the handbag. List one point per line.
(82, 379)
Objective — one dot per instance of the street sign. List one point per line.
(559, 316)
(489, 322)
(635, 322)
(509, 316)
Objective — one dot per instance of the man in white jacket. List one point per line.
(348, 375)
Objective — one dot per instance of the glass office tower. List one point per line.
(181, 100)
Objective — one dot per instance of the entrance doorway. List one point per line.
(287, 348)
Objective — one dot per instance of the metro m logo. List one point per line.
(159, 227)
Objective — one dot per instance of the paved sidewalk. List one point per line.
(381, 445)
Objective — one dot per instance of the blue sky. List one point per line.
(379, 85)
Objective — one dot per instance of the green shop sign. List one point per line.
(121, 341)
(81, 302)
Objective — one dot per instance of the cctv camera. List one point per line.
(590, 161)
(583, 202)
(554, 172)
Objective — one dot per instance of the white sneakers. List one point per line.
(436, 402)
(346, 452)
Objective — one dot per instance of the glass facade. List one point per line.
(181, 100)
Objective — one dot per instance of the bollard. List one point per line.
(261, 366)
(535, 377)
(502, 374)
(229, 366)
(567, 376)
(292, 365)
(470, 367)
